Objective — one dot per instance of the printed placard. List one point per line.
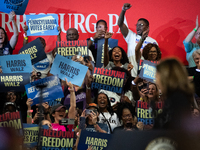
(141, 63)
(31, 132)
(12, 120)
(18, 6)
(100, 50)
(58, 140)
(99, 141)
(16, 63)
(42, 24)
(148, 71)
(35, 49)
(66, 68)
(145, 113)
(54, 102)
(71, 48)
(110, 80)
(52, 91)
(14, 82)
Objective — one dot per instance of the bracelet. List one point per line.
(123, 8)
(141, 39)
(25, 37)
(29, 116)
(195, 30)
(30, 111)
(91, 38)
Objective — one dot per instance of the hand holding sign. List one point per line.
(12, 15)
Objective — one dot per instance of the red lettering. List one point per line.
(70, 134)
(99, 71)
(53, 133)
(103, 71)
(50, 132)
(95, 69)
(64, 134)
(106, 72)
(4, 117)
(45, 132)
(16, 115)
(110, 72)
(73, 43)
(58, 133)
(83, 42)
(139, 104)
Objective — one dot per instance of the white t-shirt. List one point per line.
(113, 120)
(132, 39)
(114, 97)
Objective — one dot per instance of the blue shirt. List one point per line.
(190, 48)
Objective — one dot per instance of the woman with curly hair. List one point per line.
(150, 52)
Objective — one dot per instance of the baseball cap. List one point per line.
(57, 107)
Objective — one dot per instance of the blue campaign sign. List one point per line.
(148, 71)
(31, 132)
(18, 6)
(66, 68)
(42, 24)
(16, 63)
(13, 81)
(36, 49)
(100, 50)
(52, 91)
(99, 141)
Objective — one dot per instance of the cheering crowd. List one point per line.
(170, 101)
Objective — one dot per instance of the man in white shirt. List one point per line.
(132, 38)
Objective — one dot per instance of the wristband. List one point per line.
(87, 87)
(195, 30)
(123, 8)
(30, 111)
(91, 38)
(141, 39)
(29, 116)
(25, 37)
(133, 82)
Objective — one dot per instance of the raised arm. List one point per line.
(25, 41)
(139, 45)
(59, 31)
(14, 38)
(106, 54)
(72, 108)
(192, 33)
(120, 23)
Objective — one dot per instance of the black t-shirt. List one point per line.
(6, 50)
(93, 48)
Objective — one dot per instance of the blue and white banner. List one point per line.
(42, 25)
(148, 71)
(18, 6)
(35, 49)
(100, 50)
(52, 91)
(13, 81)
(66, 68)
(16, 63)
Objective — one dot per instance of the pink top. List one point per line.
(57, 127)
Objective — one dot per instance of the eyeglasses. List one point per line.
(139, 25)
(152, 52)
(11, 94)
(127, 116)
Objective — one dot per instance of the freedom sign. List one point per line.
(66, 68)
(110, 80)
(71, 48)
(42, 25)
(100, 50)
(52, 91)
(13, 81)
(16, 63)
(35, 49)
(18, 6)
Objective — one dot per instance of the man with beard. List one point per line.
(142, 27)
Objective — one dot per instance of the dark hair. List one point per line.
(42, 41)
(128, 83)
(109, 108)
(122, 106)
(148, 47)
(101, 21)
(145, 20)
(6, 37)
(124, 56)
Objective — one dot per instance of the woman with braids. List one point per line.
(107, 116)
